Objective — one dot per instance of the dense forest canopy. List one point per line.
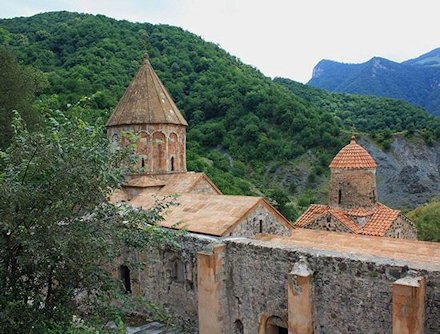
(242, 125)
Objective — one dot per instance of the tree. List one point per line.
(18, 84)
(58, 233)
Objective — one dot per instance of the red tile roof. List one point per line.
(315, 211)
(359, 212)
(353, 156)
(379, 219)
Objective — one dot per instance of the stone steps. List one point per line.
(151, 328)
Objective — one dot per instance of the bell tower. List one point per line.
(353, 178)
(147, 109)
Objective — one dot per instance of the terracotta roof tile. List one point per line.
(177, 183)
(381, 220)
(146, 101)
(314, 212)
(353, 156)
(359, 212)
(344, 219)
(207, 214)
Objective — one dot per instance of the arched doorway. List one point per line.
(238, 327)
(124, 276)
(275, 325)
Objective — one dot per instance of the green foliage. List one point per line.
(427, 219)
(374, 115)
(18, 84)
(305, 200)
(280, 200)
(58, 233)
(240, 122)
(229, 106)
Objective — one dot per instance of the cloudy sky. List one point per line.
(280, 37)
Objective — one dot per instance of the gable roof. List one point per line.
(146, 101)
(353, 156)
(207, 214)
(176, 183)
(379, 219)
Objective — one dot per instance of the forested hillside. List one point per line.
(243, 127)
(378, 116)
(416, 81)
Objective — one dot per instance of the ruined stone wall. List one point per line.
(328, 223)
(402, 228)
(168, 277)
(161, 147)
(350, 294)
(353, 188)
(260, 220)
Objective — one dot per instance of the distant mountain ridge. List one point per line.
(416, 80)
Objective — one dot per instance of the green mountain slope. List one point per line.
(375, 115)
(416, 81)
(427, 219)
(250, 134)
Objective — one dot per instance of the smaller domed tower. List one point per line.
(352, 178)
(147, 109)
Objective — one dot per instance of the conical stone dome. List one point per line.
(146, 101)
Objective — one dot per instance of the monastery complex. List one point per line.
(346, 267)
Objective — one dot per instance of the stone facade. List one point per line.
(328, 223)
(402, 228)
(352, 188)
(245, 286)
(161, 148)
(259, 220)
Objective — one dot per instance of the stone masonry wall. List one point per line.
(350, 294)
(168, 277)
(328, 223)
(161, 146)
(357, 188)
(402, 228)
(260, 220)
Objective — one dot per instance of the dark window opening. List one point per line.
(275, 325)
(339, 196)
(238, 327)
(261, 226)
(178, 271)
(124, 275)
(172, 164)
(329, 219)
(143, 162)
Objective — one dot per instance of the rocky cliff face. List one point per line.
(408, 174)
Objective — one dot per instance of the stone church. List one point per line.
(353, 205)
(148, 110)
(243, 268)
